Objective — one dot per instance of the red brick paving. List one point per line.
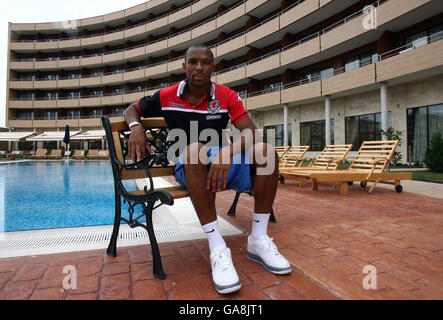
(328, 239)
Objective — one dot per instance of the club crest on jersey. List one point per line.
(214, 106)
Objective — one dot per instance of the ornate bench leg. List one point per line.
(156, 258)
(112, 247)
(231, 211)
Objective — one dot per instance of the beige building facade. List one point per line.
(312, 72)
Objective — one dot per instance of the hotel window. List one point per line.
(118, 111)
(436, 33)
(276, 133)
(243, 94)
(52, 77)
(423, 122)
(26, 96)
(311, 76)
(50, 115)
(417, 40)
(368, 58)
(118, 91)
(317, 75)
(51, 96)
(327, 72)
(27, 77)
(25, 115)
(140, 88)
(313, 134)
(96, 73)
(271, 87)
(74, 95)
(97, 93)
(361, 60)
(75, 75)
(96, 113)
(363, 128)
(73, 114)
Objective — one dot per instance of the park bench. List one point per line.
(150, 198)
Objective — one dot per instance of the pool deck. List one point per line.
(329, 240)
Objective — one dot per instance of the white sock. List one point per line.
(213, 233)
(259, 225)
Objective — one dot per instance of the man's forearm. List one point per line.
(131, 114)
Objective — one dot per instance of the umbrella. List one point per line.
(67, 138)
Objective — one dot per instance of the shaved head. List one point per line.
(200, 46)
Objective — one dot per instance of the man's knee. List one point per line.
(196, 153)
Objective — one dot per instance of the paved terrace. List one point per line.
(328, 239)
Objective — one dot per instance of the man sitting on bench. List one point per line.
(197, 105)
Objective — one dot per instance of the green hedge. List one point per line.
(434, 154)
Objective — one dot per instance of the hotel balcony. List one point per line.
(398, 65)
(263, 99)
(343, 82)
(408, 64)
(301, 92)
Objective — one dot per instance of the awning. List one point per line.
(14, 136)
(90, 135)
(52, 136)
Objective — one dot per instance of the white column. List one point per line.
(10, 142)
(285, 125)
(58, 142)
(327, 120)
(384, 107)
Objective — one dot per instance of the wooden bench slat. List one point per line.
(176, 192)
(140, 173)
(150, 123)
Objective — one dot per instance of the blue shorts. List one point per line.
(239, 176)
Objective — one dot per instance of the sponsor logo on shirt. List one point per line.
(214, 106)
(213, 117)
(177, 105)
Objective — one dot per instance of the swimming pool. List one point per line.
(56, 194)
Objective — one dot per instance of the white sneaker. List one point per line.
(264, 251)
(224, 275)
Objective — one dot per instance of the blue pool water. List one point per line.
(56, 194)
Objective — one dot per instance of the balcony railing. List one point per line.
(138, 25)
(296, 43)
(337, 71)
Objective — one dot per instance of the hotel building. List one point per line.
(317, 71)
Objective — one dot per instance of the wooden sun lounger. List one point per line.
(98, 154)
(329, 159)
(92, 154)
(55, 154)
(39, 154)
(293, 157)
(103, 154)
(78, 154)
(369, 164)
(281, 150)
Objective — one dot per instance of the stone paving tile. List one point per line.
(329, 239)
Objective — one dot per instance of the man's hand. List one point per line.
(218, 172)
(138, 144)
